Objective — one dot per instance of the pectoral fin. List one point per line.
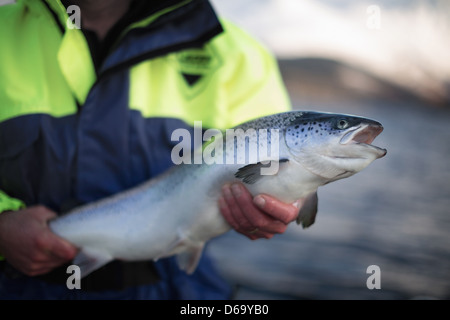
(251, 173)
(307, 214)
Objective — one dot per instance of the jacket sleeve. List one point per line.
(6, 204)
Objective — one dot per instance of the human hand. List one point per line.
(28, 244)
(260, 217)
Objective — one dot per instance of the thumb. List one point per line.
(42, 213)
(59, 247)
(62, 248)
(285, 212)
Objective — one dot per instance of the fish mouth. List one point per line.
(364, 134)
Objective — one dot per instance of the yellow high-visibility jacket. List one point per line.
(71, 133)
(74, 129)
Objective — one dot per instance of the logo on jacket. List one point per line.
(197, 64)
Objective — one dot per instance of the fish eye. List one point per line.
(342, 124)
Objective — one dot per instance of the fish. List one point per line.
(177, 212)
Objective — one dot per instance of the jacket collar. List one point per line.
(179, 25)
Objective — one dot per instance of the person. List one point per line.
(87, 111)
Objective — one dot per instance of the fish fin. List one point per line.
(307, 214)
(251, 173)
(188, 260)
(187, 251)
(89, 260)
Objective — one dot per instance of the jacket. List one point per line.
(74, 129)
(71, 134)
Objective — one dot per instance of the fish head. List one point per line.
(333, 146)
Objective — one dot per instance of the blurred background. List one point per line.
(386, 60)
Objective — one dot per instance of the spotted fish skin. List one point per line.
(177, 213)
